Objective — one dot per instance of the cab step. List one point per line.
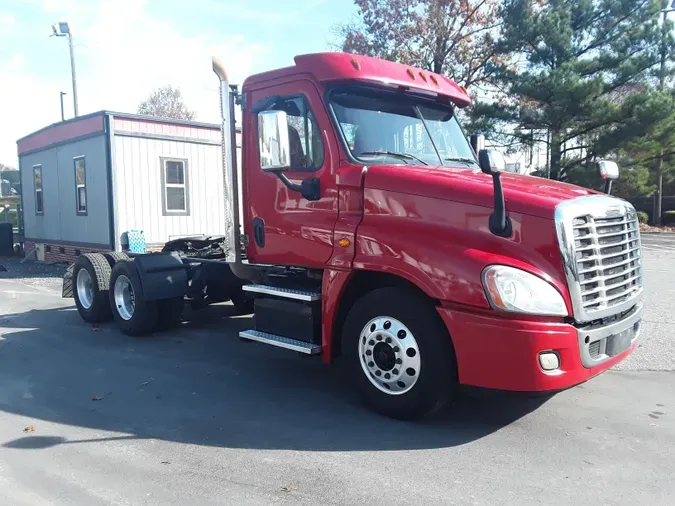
(285, 293)
(281, 342)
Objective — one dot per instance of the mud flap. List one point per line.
(67, 289)
(163, 275)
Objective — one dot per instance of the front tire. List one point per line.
(399, 354)
(133, 314)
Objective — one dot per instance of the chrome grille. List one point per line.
(608, 260)
(600, 241)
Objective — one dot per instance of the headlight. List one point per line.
(511, 289)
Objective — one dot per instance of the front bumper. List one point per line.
(502, 353)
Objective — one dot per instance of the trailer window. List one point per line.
(80, 185)
(175, 189)
(37, 178)
(306, 143)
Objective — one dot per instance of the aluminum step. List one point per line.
(281, 342)
(286, 293)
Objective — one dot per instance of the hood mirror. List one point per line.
(491, 161)
(609, 171)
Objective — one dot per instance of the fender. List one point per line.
(163, 275)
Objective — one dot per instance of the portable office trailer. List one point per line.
(90, 180)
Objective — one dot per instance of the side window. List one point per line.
(175, 198)
(37, 179)
(80, 185)
(304, 135)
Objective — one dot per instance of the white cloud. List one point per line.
(122, 53)
(7, 19)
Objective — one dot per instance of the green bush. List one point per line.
(669, 218)
(643, 217)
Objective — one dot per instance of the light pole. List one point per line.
(63, 117)
(662, 85)
(63, 30)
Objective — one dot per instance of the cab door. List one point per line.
(283, 227)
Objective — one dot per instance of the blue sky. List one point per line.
(126, 48)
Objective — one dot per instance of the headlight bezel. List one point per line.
(488, 278)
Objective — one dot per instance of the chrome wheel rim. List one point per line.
(85, 288)
(125, 299)
(389, 355)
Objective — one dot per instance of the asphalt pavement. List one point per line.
(196, 416)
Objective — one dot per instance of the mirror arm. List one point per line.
(287, 182)
(500, 224)
(309, 188)
(608, 186)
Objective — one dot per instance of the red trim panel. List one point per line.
(501, 353)
(59, 133)
(334, 283)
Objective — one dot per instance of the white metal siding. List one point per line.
(60, 221)
(138, 188)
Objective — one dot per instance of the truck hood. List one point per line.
(523, 194)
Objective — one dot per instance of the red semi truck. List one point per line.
(366, 228)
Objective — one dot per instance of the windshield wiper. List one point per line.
(405, 156)
(461, 159)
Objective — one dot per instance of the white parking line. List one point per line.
(659, 247)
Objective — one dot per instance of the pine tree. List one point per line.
(586, 75)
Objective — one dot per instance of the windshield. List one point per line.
(380, 126)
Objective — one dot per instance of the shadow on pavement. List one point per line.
(202, 385)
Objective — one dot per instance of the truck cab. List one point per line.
(368, 230)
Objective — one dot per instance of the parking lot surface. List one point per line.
(196, 416)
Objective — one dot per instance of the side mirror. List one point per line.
(273, 141)
(608, 169)
(491, 161)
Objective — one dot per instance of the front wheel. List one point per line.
(399, 354)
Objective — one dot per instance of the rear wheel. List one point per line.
(133, 315)
(91, 279)
(169, 313)
(115, 256)
(398, 354)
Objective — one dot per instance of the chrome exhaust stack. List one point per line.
(230, 191)
(230, 180)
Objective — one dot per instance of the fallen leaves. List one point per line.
(30, 428)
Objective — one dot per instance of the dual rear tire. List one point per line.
(108, 287)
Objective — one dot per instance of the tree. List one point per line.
(450, 37)
(585, 76)
(166, 102)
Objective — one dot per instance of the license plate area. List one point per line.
(620, 342)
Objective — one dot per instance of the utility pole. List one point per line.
(662, 85)
(63, 30)
(63, 117)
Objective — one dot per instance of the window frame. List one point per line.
(77, 188)
(186, 186)
(40, 212)
(308, 108)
